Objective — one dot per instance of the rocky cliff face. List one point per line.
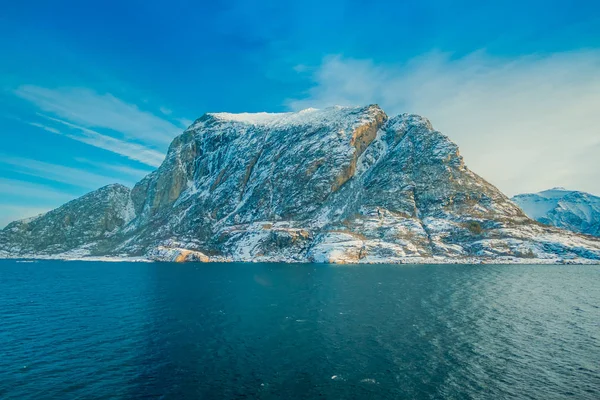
(334, 185)
(567, 209)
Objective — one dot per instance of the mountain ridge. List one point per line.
(567, 209)
(341, 184)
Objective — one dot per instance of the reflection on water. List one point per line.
(103, 330)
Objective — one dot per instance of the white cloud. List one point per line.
(133, 151)
(165, 111)
(44, 127)
(37, 198)
(100, 120)
(121, 169)
(184, 122)
(300, 68)
(525, 124)
(85, 111)
(57, 173)
(89, 109)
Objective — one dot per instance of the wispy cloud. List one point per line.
(137, 173)
(33, 191)
(525, 123)
(99, 120)
(133, 151)
(45, 127)
(89, 109)
(58, 173)
(184, 122)
(29, 198)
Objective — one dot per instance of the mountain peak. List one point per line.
(310, 116)
(402, 120)
(113, 187)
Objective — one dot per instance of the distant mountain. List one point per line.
(567, 209)
(342, 184)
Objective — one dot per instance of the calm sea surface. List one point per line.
(217, 331)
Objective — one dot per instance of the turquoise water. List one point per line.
(134, 330)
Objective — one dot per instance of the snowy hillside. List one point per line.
(567, 209)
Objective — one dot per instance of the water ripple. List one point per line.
(96, 330)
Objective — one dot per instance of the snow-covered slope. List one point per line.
(567, 209)
(342, 184)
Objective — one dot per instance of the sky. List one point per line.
(93, 93)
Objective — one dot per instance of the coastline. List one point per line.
(366, 261)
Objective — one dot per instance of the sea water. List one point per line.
(96, 330)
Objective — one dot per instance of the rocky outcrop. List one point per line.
(343, 184)
(176, 254)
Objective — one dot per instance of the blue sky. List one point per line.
(92, 93)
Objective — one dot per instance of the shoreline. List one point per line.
(402, 261)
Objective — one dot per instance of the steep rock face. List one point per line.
(230, 169)
(343, 184)
(567, 209)
(414, 196)
(79, 224)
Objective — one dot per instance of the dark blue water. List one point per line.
(134, 330)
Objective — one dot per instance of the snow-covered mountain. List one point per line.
(567, 209)
(342, 184)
